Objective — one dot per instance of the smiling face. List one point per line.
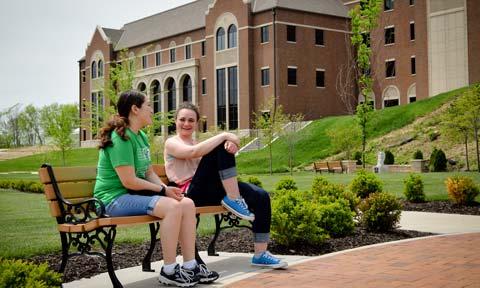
(145, 113)
(186, 122)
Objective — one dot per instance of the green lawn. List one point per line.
(27, 228)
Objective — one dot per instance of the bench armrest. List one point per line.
(83, 211)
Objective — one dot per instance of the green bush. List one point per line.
(18, 274)
(255, 181)
(381, 212)
(365, 183)
(438, 161)
(413, 189)
(336, 218)
(286, 183)
(389, 158)
(21, 185)
(358, 156)
(418, 155)
(295, 219)
(461, 189)
(321, 187)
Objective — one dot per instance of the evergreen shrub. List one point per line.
(358, 156)
(255, 181)
(286, 183)
(461, 189)
(380, 212)
(365, 183)
(19, 274)
(438, 161)
(413, 188)
(389, 158)
(418, 155)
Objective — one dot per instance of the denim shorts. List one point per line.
(131, 205)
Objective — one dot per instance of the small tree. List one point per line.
(270, 120)
(291, 136)
(58, 122)
(469, 105)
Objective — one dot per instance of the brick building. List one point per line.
(230, 56)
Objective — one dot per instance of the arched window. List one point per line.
(94, 70)
(187, 89)
(155, 91)
(220, 39)
(391, 96)
(171, 101)
(100, 68)
(142, 87)
(232, 36)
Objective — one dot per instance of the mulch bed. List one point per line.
(240, 240)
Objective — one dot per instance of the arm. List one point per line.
(178, 149)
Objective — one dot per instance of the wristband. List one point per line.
(162, 191)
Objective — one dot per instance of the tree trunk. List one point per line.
(475, 129)
(271, 160)
(466, 151)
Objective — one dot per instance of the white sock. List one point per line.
(169, 268)
(190, 264)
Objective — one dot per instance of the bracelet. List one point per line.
(163, 190)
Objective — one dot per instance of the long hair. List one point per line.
(119, 122)
(188, 106)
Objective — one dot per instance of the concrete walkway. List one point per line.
(438, 261)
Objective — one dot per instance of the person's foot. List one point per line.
(180, 277)
(267, 260)
(203, 274)
(238, 207)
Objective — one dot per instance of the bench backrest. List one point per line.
(320, 165)
(75, 184)
(335, 165)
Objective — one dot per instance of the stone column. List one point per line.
(350, 166)
(418, 165)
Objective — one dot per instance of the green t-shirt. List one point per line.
(133, 152)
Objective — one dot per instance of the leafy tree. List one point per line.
(344, 139)
(270, 120)
(364, 19)
(469, 105)
(30, 125)
(291, 137)
(58, 122)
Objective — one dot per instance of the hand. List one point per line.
(174, 192)
(231, 147)
(232, 138)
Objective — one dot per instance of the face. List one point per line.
(186, 122)
(145, 113)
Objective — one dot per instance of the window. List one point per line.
(412, 31)
(232, 36)
(94, 70)
(291, 31)
(158, 58)
(412, 99)
(388, 5)
(292, 76)
(144, 62)
(412, 2)
(204, 86)
(320, 78)
(390, 68)
(100, 68)
(319, 37)
(220, 39)
(390, 103)
(232, 98)
(221, 99)
(83, 76)
(188, 51)
(203, 48)
(187, 89)
(264, 34)
(413, 67)
(266, 77)
(172, 55)
(389, 35)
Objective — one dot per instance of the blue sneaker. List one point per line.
(238, 207)
(267, 260)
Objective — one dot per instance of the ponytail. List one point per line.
(118, 124)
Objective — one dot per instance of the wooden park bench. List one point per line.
(320, 167)
(69, 192)
(335, 166)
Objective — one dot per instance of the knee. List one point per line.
(172, 207)
(187, 204)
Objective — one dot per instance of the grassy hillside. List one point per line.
(314, 144)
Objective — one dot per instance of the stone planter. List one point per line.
(418, 165)
(349, 166)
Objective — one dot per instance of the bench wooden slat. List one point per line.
(71, 190)
(211, 210)
(68, 174)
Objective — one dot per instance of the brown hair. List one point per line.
(188, 106)
(119, 122)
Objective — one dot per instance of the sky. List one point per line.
(42, 40)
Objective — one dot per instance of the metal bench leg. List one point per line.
(211, 246)
(110, 237)
(146, 264)
(65, 248)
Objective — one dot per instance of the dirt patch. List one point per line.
(6, 154)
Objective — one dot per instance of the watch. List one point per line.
(163, 190)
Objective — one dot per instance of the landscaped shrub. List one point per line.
(22, 185)
(295, 219)
(365, 183)
(418, 155)
(286, 183)
(381, 212)
(255, 181)
(389, 158)
(438, 161)
(358, 156)
(336, 218)
(461, 189)
(321, 187)
(18, 274)
(413, 189)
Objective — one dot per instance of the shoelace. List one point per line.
(204, 270)
(269, 256)
(242, 203)
(186, 274)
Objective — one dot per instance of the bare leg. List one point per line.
(231, 187)
(171, 213)
(260, 247)
(188, 229)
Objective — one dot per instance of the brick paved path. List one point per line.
(444, 261)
